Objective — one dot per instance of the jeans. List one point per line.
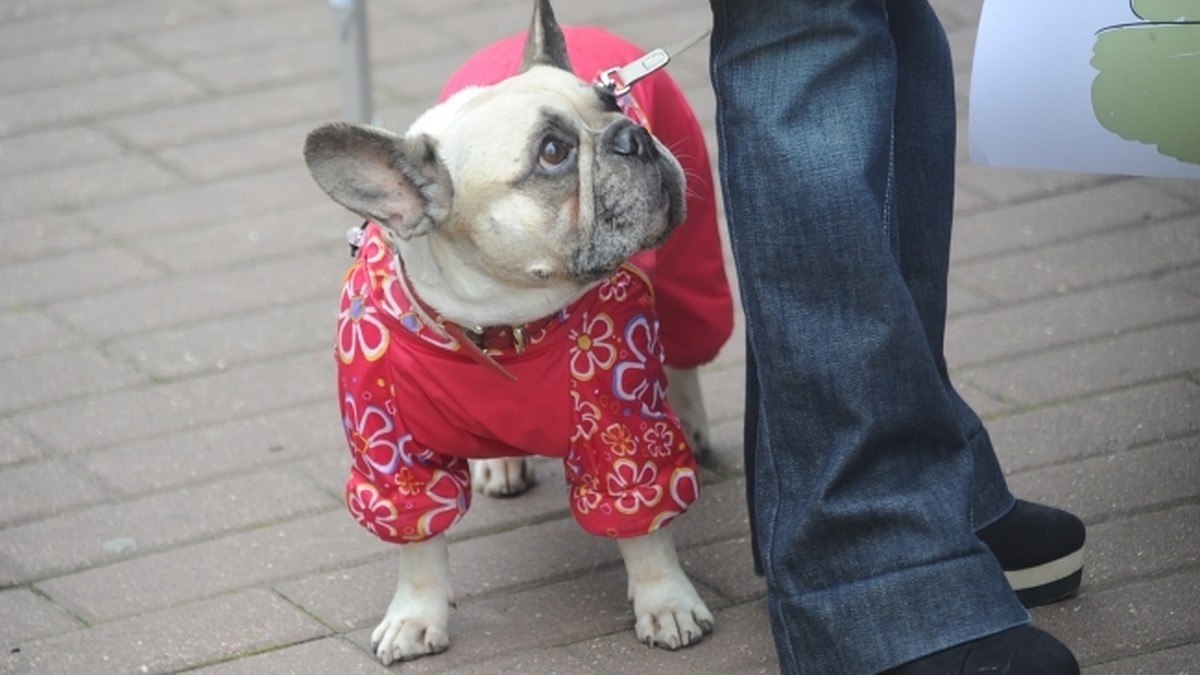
(867, 474)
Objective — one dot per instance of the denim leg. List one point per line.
(836, 148)
(924, 140)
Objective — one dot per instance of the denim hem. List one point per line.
(879, 623)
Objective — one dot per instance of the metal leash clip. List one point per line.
(621, 80)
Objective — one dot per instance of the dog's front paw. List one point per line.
(504, 477)
(669, 612)
(414, 626)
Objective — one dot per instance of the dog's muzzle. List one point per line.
(626, 138)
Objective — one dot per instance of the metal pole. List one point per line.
(351, 16)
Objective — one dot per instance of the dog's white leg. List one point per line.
(416, 620)
(668, 611)
(685, 397)
(504, 477)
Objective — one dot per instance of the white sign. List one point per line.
(1099, 86)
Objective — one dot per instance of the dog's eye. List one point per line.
(554, 153)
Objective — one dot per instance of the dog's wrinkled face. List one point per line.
(508, 201)
(551, 180)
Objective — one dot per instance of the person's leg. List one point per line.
(1040, 548)
(924, 153)
(863, 480)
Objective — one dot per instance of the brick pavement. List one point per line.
(170, 460)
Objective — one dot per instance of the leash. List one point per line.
(621, 80)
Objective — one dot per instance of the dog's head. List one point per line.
(539, 181)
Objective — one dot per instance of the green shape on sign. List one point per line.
(1148, 87)
(1167, 10)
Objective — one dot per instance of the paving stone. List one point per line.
(243, 447)
(34, 282)
(966, 201)
(741, 642)
(521, 557)
(1063, 319)
(549, 661)
(719, 514)
(1002, 185)
(241, 154)
(27, 332)
(252, 290)
(116, 531)
(52, 376)
(1064, 216)
(25, 615)
(486, 24)
(987, 405)
(23, 493)
(16, 446)
(351, 597)
(1186, 280)
(329, 655)
(230, 200)
(243, 33)
(70, 64)
(1073, 371)
(130, 415)
(1140, 251)
(1102, 425)
(1176, 661)
(69, 188)
(727, 566)
(306, 102)
(78, 22)
(1110, 486)
(186, 573)
(63, 147)
(173, 639)
(417, 83)
(226, 342)
(727, 454)
(244, 71)
(45, 236)
(1141, 617)
(513, 623)
(1142, 547)
(273, 235)
(88, 100)
(1185, 189)
(26, 9)
(724, 392)
(329, 470)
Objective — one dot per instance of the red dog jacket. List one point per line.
(589, 388)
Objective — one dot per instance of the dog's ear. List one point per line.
(545, 45)
(398, 182)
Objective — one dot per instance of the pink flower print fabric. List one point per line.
(590, 389)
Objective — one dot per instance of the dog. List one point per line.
(493, 312)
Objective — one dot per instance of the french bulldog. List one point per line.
(499, 229)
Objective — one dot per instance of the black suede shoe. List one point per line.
(1041, 551)
(1023, 650)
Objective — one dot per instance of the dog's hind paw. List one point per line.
(504, 477)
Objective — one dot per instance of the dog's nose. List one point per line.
(631, 140)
